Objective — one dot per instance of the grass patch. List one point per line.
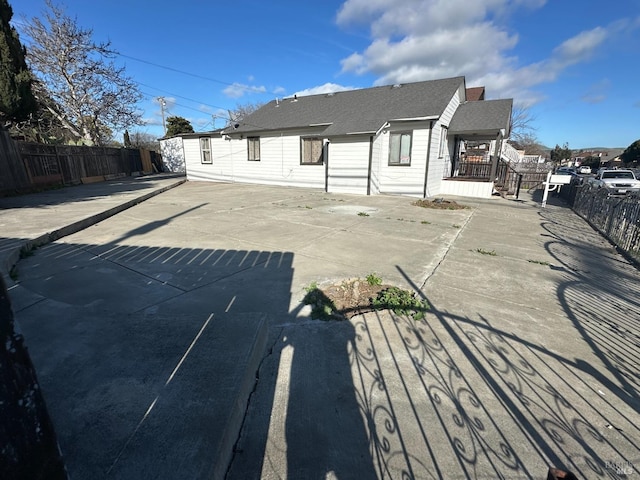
(363, 214)
(354, 297)
(322, 307)
(374, 279)
(538, 262)
(439, 204)
(13, 273)
(486, 252)
(425, 222)
(401, 302)
(455, 225)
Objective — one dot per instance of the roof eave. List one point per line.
(416, 119)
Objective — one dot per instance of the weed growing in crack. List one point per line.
(486, 252)
(538, 262)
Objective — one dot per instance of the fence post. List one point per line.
(519, 184)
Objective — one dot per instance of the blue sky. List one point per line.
(574, 63)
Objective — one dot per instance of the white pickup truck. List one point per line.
(617, 182)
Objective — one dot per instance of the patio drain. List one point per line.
(351, 209)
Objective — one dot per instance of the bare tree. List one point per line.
(146, 140)
(243, 110)
(91, 96)
(522, 127)
(530, 144)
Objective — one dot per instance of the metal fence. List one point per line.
(618, 218)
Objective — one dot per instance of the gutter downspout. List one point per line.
(326, 167)
(370, 164)
(426, 167)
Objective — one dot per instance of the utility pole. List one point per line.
(162, 105)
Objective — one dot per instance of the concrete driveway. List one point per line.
(149, 330)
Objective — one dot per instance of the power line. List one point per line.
(181, 96)
(195, 75)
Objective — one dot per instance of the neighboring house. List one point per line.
(172, 152)
(475, 94)
(406, 139)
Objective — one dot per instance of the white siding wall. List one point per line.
(404, 180)
(466, 188)
(279, 162)
(349, 165)
(438, 165)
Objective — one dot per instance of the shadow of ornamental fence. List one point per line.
(616, 217)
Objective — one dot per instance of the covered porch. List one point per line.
(479, 155)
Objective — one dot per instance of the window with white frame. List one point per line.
(311, 151)
(400, 148)
(253, 145)
(444, 144)
(205, 150)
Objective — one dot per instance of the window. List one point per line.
(400, 148)
(253, 144)
(312, 151)
(205, 150)
(443, 141)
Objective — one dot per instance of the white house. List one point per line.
(399, 139)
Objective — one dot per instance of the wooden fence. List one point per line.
(30, 166)
(13, 175)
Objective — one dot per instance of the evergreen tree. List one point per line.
(631, 153)
(559, 153)
(177, 125)
(16, 97)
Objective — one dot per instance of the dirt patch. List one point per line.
(440, 204)
(355, 297)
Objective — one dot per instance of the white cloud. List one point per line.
(237, 90)
(597, 93)
(152, 121)
(414, 40)
(200, 123)
(580, 47)
(322, 89)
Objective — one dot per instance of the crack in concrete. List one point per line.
(268, 354)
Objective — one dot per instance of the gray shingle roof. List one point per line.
(354, 111)
(483, 117)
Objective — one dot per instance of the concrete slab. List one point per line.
(145, 396)
(520, 364)
(54, 214)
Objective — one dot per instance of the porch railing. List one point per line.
(474, 169)
(510, 180)
(510, 154)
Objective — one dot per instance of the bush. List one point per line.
(401, 302)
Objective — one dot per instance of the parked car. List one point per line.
(565, 171)
(617, 182)
(586, 169)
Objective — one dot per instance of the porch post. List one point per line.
(496, 156)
